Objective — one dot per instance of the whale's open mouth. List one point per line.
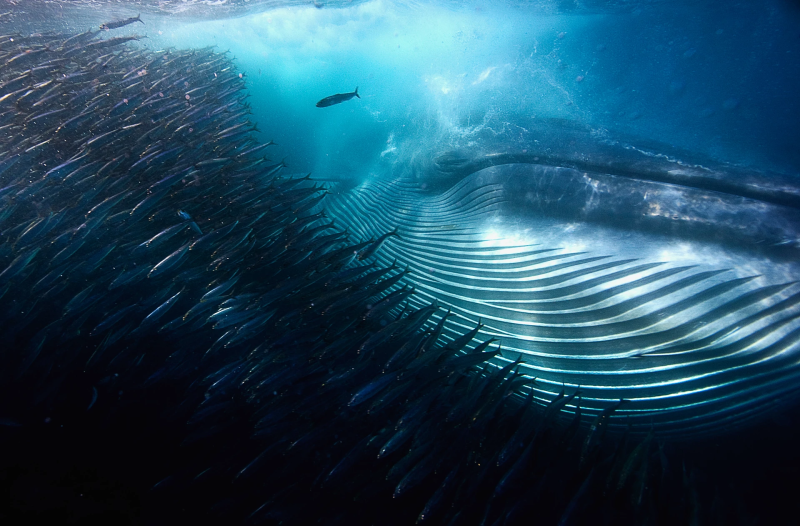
(654, 281)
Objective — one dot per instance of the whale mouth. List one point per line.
(682, 299)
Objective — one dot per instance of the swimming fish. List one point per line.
(120, 23)
(337, 99)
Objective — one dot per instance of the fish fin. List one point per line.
(356, 92)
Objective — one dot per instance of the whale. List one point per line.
(626, 271)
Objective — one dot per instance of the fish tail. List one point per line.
(356, 92)
(138, 18)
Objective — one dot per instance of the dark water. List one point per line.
(608, 189)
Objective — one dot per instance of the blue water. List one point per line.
(715, 78)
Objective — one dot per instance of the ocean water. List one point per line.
(707, 77)
(607, 189)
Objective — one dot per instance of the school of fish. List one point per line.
(180, 318)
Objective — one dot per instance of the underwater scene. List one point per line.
(276, 262)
